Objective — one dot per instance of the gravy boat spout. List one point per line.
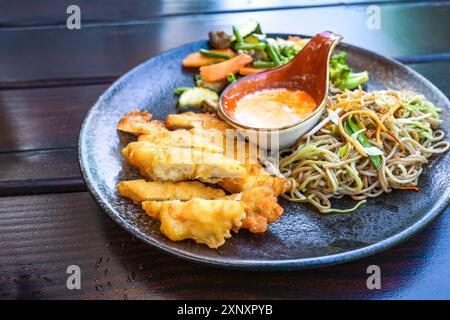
(307, 72)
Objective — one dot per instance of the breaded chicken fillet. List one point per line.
(210, 127)
(256, 177)
(205, 221)
(140, 122)
(141, 190)
(261, 208)
(178, 164)
(181, 139)
(189, 120)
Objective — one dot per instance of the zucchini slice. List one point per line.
(195, 96)
(250, 27)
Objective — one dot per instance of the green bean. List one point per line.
(263, 64)
(237, 35)
(273, 55)
(231, 78)
(277, 51)
(212, 54)
(251, 46)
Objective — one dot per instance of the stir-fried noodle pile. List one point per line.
(369, 143)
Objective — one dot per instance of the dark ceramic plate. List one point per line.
(302, 238)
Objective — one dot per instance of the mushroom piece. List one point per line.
(255, 54)
(219, 40)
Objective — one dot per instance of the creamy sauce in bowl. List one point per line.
(273, 108)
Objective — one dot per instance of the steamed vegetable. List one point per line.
(219, 40)
(237, 35)
(294, 38)
(250, 46)
(245, 40)
(274, 55)
(263, 64)
(216, 86)
(231, 78)
(251, 27)
(220, 71)
(341, 75)
(214, 54)
(252, 39)
(195, 96)
(250, 70)
(198, 80)
(198, 59)
(180, 90)
(351, 128)
(255, 54)
(288, 49)
(249, 51)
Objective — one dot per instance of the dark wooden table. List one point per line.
(50, 77)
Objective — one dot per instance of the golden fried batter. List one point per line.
(205, 221)
(261, 208)
(182, 139)
(210, 127)
(193, 146)
(189, 120)
(140, 122)
(178, 164)
(141, 190)
(256, 177)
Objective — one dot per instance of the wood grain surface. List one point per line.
(50, 77)
(103, 52)
(59, 230)
(44, 118)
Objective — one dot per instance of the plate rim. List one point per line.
(252, 264)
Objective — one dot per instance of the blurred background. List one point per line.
(116, 35)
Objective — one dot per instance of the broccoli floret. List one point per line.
(339, 70)
(290, 52)
(355, 79)
(341, 75)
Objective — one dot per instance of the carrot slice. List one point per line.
(250, 70)
(220, 71)
(196, 59)
(416, 189)
(294, 38)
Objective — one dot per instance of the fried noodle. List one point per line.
(397, 134)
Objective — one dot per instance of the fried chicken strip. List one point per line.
(141, 190)
(205, 221)
(261, 208)
(178, 164)
(202, 125)
(189, 120)
(210, 127)
(256, 177)
(182, 139)
(194, 146)
(140, 122)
